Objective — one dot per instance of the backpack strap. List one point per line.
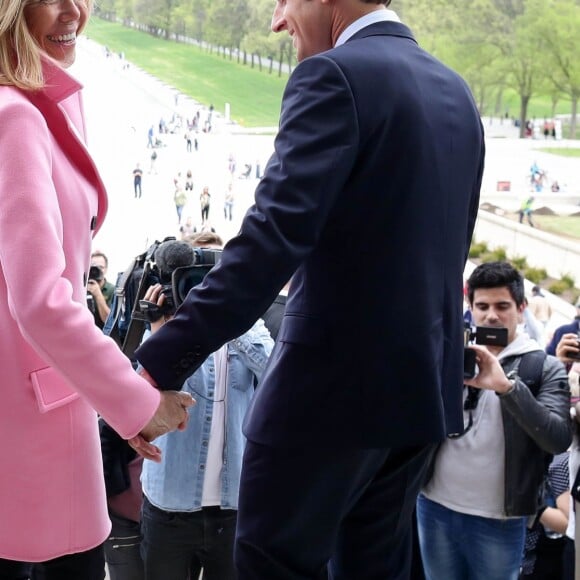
(531, 369)
(137, 323)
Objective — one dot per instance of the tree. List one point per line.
(561, 41)
(227, 22)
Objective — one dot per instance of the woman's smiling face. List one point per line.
(54, 24)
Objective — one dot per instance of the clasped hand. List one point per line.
(172, 411)
(170, 415)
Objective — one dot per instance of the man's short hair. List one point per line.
(101, 255)
(497, 275)
(385, 2)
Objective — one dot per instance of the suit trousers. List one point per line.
(337, 513)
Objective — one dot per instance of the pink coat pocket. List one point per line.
(51, 389)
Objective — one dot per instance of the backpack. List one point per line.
(531, 368)
(125, 323)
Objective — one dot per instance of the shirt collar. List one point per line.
(383, 15)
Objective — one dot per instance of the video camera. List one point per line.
(486, 335)
(178, 267)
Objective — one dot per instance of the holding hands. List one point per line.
(172, 411)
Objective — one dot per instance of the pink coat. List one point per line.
(56, 367)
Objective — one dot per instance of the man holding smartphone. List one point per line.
(472, 514)
(565, 343)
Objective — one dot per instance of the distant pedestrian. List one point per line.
(229, 203)
(188, 181)
(137, 176)
(526, 210)
(231, 164)
(180, 199)
(187, 138)
(540, 306)
(152, 166)
(187, 229)
(150, 143)
(204, 200)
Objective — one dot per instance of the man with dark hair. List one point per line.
(367, 370)
(485, 485)
(100, 290)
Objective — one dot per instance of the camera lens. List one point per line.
(95, 273)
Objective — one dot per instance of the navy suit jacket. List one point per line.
(369, 203)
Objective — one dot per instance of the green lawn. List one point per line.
(254, 96)
(561, 225)
(563, 152)
(540, 107)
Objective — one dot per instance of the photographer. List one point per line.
(472, 514)
(99, 291)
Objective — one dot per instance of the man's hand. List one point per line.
(154, 295)
(567, 346)
(94, 289)
(170, 415)
(491, 376)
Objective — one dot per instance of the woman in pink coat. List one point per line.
(57, 368)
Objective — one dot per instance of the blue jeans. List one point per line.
(456, 546)
(177, 545)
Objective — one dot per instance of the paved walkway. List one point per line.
(120, 106)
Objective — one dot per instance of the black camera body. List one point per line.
(95, 273)
(176, 282)
(485, 335)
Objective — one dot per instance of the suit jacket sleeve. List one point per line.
(315, 151)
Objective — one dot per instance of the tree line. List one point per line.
(530, 46)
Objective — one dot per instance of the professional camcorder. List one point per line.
(486, 335)
(178, 267)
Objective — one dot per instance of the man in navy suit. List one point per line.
(368, 203)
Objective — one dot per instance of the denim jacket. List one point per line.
(176, 484)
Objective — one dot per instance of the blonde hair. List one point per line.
(20, 64)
